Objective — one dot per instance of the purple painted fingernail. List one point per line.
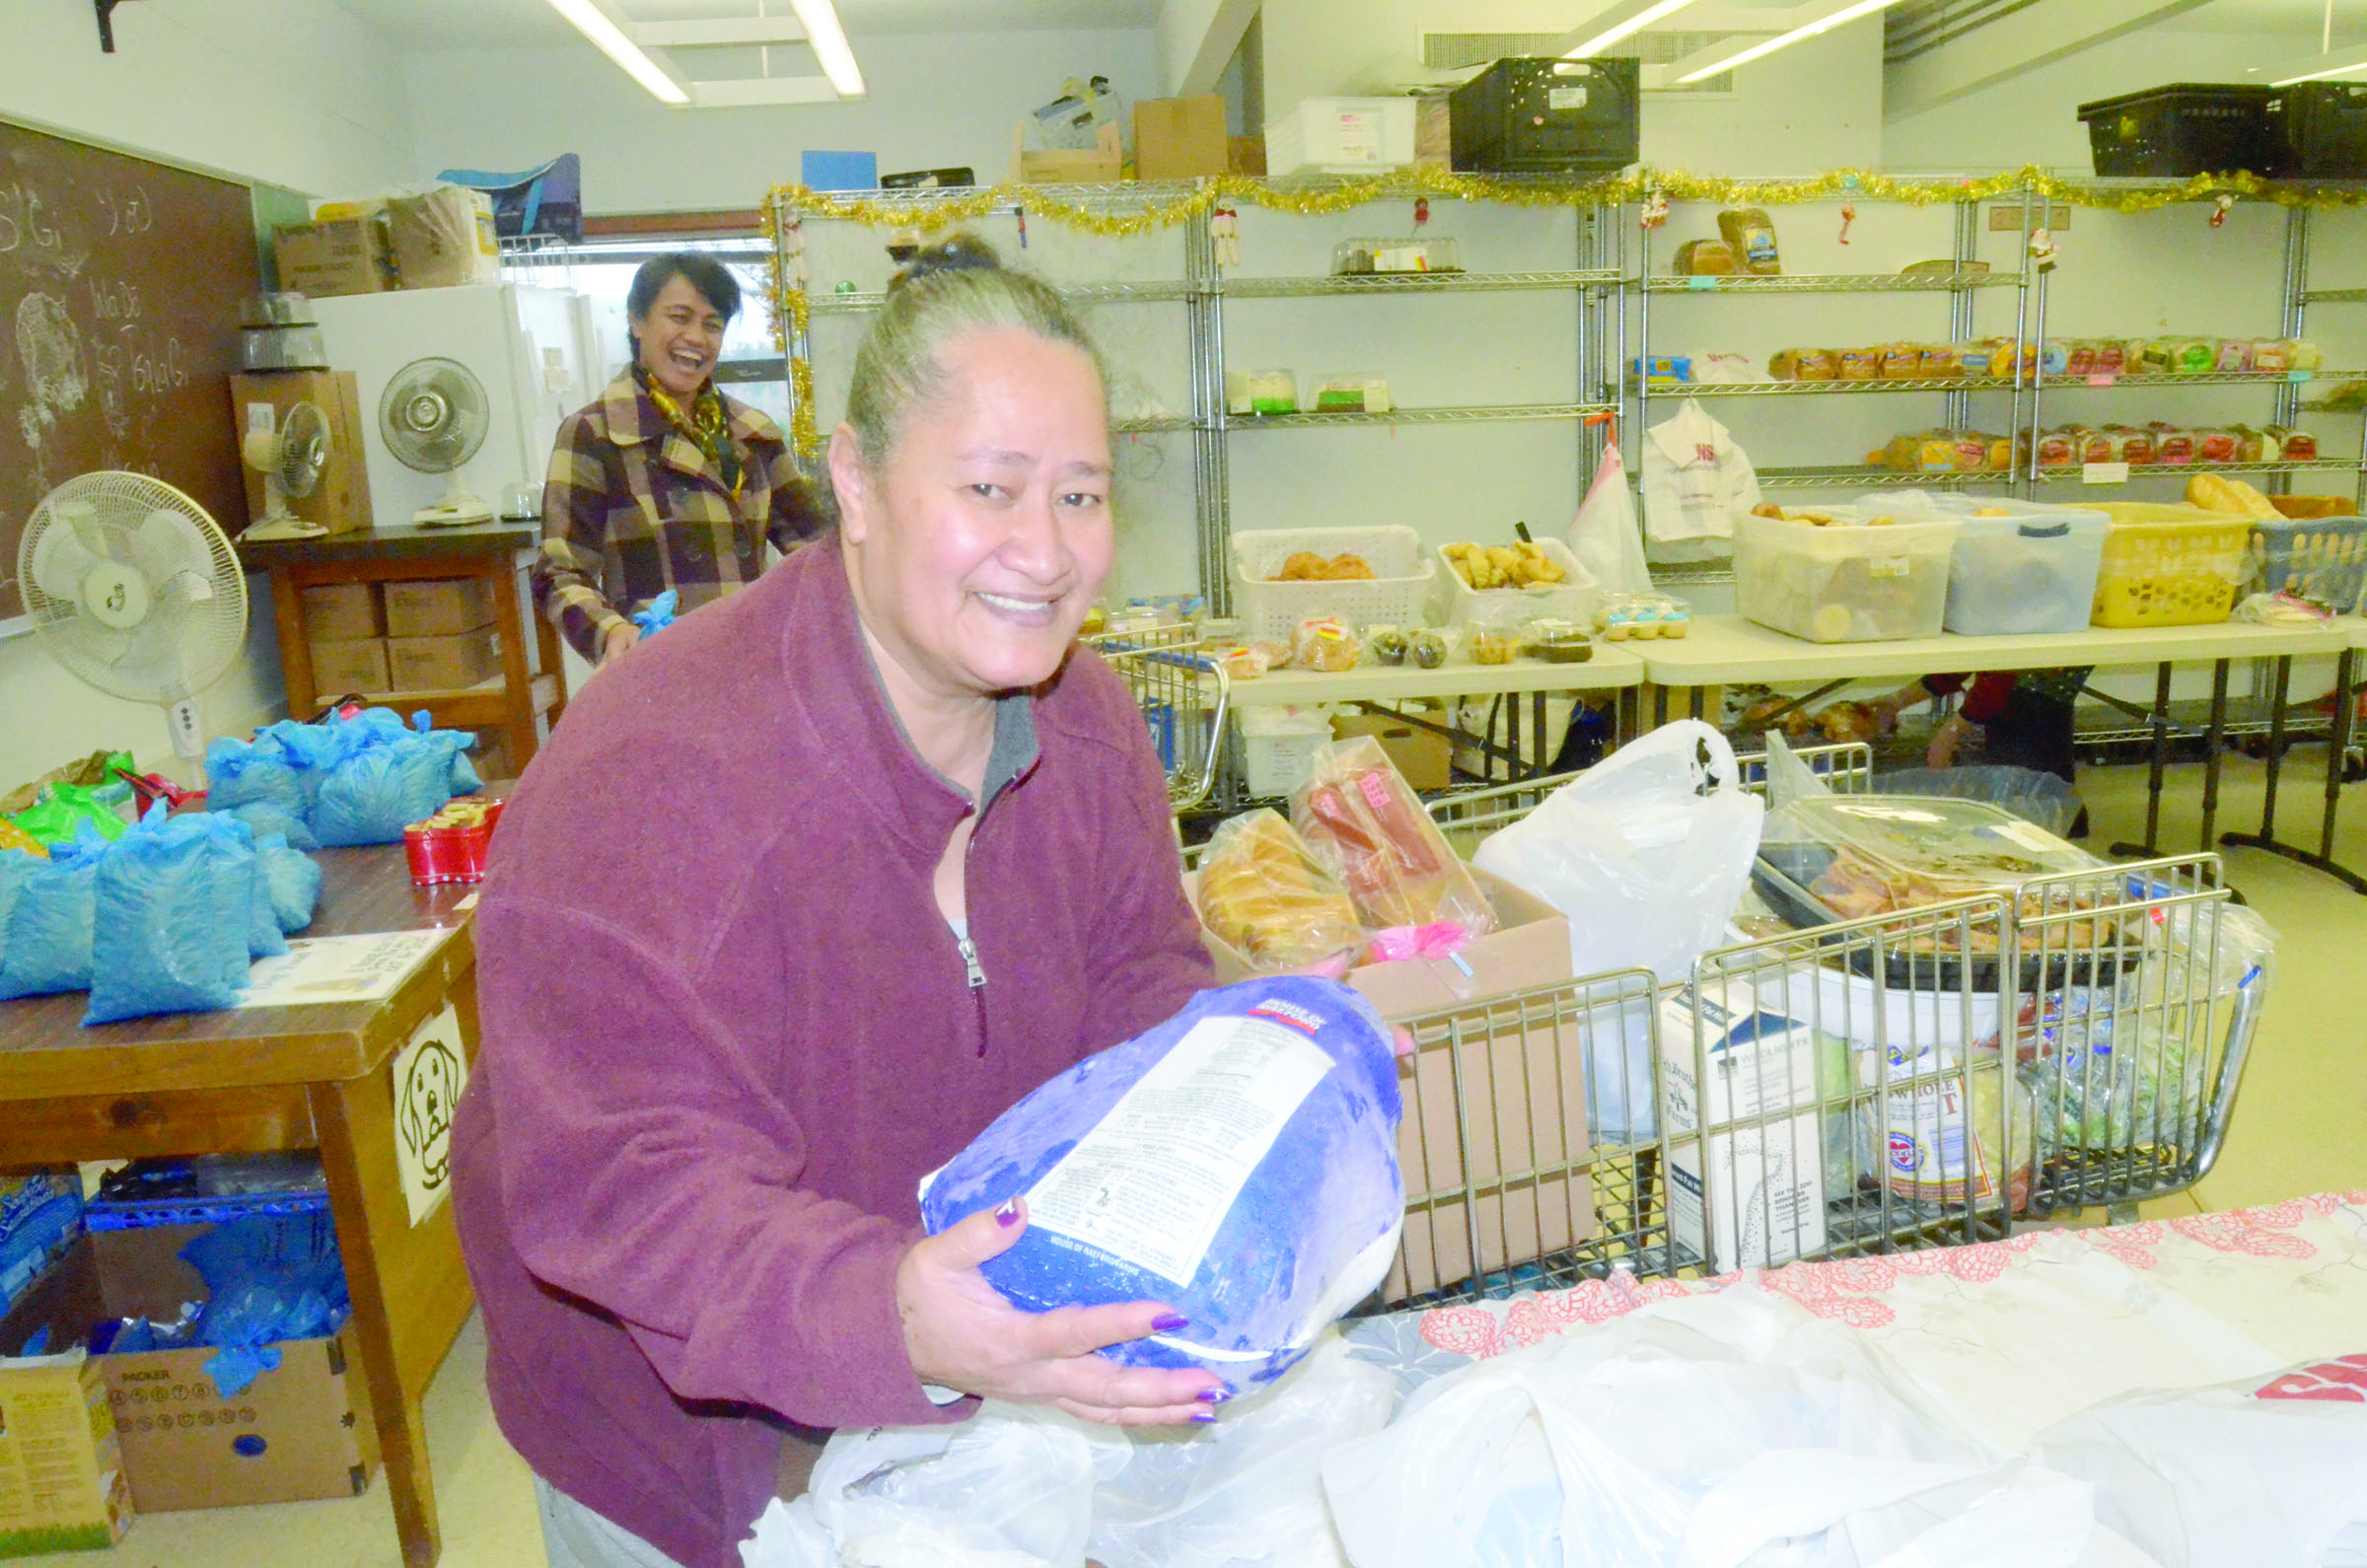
(1169, 1322)
(1205, 1416)
(1215, 1396)
(1008, 1215)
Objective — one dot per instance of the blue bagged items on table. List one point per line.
(48, 944)
(403, 777)
(266, 818)
(258, 772)
(1238, 1162)
(291, 880)
(173, 900)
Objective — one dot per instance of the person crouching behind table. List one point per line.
(665, 483)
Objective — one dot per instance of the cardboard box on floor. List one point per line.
(62, 1480)
(444, 663)
(1522, 1107)
(342, 612)
(356, 663)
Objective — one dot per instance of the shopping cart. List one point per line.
(1182, 694)
(1914, 1079)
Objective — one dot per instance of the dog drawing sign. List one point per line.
(429, 1073)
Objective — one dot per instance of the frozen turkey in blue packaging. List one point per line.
(1238, 1162)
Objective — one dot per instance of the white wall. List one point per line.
(294, 93)
(2033, 118)
(935, 100)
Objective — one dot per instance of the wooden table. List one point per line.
(251, 1080)
(533, 680)
(1727, 648)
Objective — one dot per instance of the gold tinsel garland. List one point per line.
(1155, 209)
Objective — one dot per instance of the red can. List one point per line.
(451, 845)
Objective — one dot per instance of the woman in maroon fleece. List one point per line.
(799, 897)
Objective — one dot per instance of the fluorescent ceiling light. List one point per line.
(830, 45)
(598, 26)
(1847, 13)
(1643, 14)
(2324, 66)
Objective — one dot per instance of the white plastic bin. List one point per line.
(1340, 137)
(1278, 746)
(1396, 594)
(2022, 568)
(1574, 597)
(1844, 583)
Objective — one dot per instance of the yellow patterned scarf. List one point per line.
(704, 424)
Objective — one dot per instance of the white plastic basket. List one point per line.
(1459, 603)
(1278, 747)
(1396, 594)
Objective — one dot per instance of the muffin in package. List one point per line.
(1263, 891)
(1365, 822)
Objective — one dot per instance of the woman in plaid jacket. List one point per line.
(665, 483)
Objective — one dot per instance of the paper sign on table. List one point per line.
(429, 1073)
(365, 968)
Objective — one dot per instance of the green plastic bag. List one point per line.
(52, 820)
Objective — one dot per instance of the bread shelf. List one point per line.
(1811, 388)
(2216, 378)
(1420, 416)
(1392, 284)
(1860, 477)
(2074, 474)
(1149, 290)
(1834, 283)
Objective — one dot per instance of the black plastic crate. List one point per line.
(1545, 116)
(2320, 131)
(2178, 132)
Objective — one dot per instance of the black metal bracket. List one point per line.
(106, 24)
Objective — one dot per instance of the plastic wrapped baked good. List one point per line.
(1861, 364)
(1751, 235)
(1427, 649)
(1243, 663)
(1493, 646)
(1366, 823)
(1325, 645)
(1805, 364)
(1901, 361)
(1264, 894)
(1387, 644)
(1704, 258)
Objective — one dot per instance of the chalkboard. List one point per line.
(121, 281)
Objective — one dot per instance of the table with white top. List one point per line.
(2354, 633)
(1727, 649)
(1386, 686)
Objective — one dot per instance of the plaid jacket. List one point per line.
(632, 507)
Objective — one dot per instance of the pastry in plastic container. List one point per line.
(1263, 893)
(1366, 823)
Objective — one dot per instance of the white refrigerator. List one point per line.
(526, 342)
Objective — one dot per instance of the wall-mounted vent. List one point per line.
(1463, 52)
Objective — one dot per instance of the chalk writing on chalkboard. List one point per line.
(121, 281)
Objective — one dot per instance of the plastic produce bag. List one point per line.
(266, 818)
(257, 772)
(290, 878)
(1366, 824)
(657, 614)
(48, 944)
(2037, 798)
(1603, 534)
(1238, 1162)
(371, 794)
(1703, 1432)
(63, 809)
(1263, 891)
(2264, 1470)
(172, 900)
(268, 1277)
(1646, 853)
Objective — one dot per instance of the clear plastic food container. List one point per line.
(1851, 580)
(2019, 568)
(1359, 258)
(1351, 393)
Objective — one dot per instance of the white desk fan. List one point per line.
(434, 415)
(291, 460)
(136, 592)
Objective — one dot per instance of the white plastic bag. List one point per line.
(1646, 852)
(1710, 1432)
(1603, 534)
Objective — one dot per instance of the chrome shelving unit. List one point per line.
(1149, 291)
(1385, 284)
(2071, 474)
(1495, 414)
(1813, 388)
(1834, 283)
(1858, 476)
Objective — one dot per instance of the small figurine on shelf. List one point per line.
(2042, 250)
(2220, 205)
(1224, 226)
(793, 246)
(1656, 209)
(1849, 217)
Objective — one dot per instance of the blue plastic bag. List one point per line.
(266, 818)
(264, 940)
(251, 773)
(390, 778)
(171, 900)
(290, 878)
(1238, 1162)
(48, 944)
(268, 1277)
(657, 614)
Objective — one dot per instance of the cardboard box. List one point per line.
(63, 1486)
(444, 238)
(1180, 138)
(334, 256)
(443, 664)
(1425, 758)
(261, 401)
(1245, 155)
(438, 607)
(342, 612)
(1101, 166)
(1763, 1168)
(356, 663)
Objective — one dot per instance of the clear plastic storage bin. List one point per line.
(2022, 568)
(2168, 565)
(2322, 558)
(1848, 582)
(1362, 257)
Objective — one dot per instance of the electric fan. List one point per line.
(136, 591)
(291, 460)
(434, 416)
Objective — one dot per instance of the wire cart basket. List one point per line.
(1914, 1079)
(1182, 694)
